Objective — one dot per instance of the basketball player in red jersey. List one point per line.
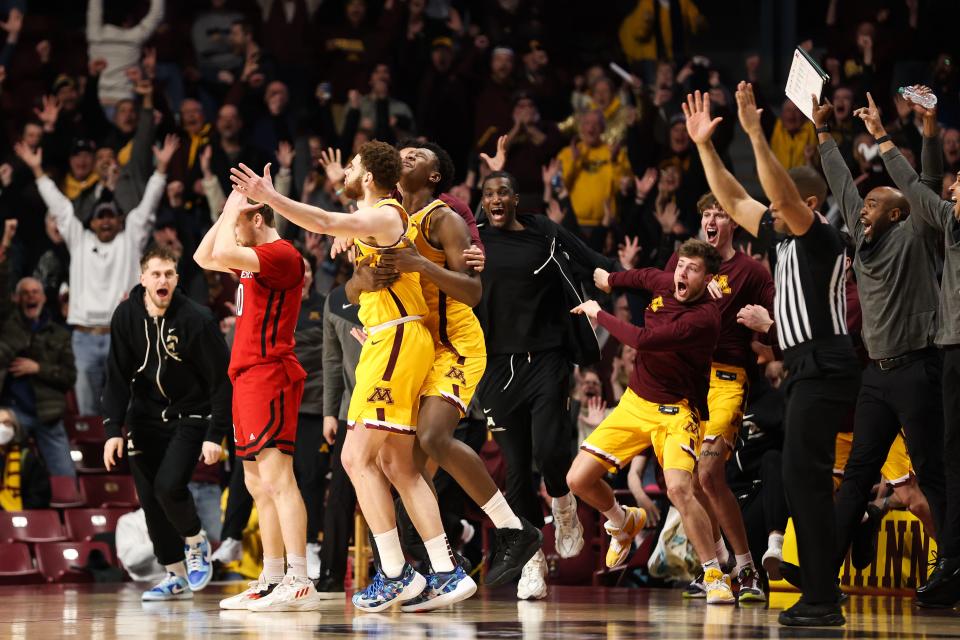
(267, 387)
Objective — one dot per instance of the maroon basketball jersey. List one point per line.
(268, 305)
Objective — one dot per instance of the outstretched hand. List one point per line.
(248, 183)
(590, 308)
(700, 127)
(747, 110)
(821, 112)
(870, 115)
(497, 162)
(332, 163)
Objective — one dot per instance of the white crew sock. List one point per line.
(500, 513)
(775, 541)
(744, 561)
(391, 553)
(616, 515)
(296, 566)
(273, 569)
(441, 557)
(177, 569)
(563, 502)
(722, 554)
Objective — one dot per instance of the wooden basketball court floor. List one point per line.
(105, 612)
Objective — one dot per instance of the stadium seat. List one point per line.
(16, 564)
(63, 561)
(88, 458)
(109, 491)
(83, 524)
(64, 493)
(85, 429)
(37, 525)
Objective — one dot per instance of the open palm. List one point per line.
(700, 126)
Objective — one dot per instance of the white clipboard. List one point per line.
(806, 78)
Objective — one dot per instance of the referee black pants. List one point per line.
(338, 515)
(821, 389)
(162, 461)
(311, 462)
(526, 397)
(907, 397)
(948, 539)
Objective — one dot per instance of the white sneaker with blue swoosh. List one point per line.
(173, 587)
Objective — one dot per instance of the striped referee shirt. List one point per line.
(810, 302)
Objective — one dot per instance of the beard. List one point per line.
(353, 189)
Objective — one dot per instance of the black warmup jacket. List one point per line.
(164, 370)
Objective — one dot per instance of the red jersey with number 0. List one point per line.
(268, 305)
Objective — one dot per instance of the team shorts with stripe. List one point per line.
(897, 468)
(454, 377)
(636, 424)
(266, 404)
(393, 365)
(726, 399)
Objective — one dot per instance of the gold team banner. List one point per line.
(904, 553)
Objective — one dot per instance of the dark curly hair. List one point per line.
(444, 163)
(383, 161)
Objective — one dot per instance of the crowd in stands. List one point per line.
(121, 120)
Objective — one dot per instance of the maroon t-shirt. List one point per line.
(743, 281)
(676, 345)
(463, 209)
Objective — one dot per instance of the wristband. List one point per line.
(824, 129)
(883, 138)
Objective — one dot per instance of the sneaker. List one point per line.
(942, 589)
(442, 589)
(514, 548)
(313, 560)
(568, 530)
(696, 589)
(199, 565)
(621, 538)
(292, 594)
(532, 585)
(329, 588)
(255, 590)
(230, 550)
(384, 591)
(812, 615)
(718, 586)
(772, 561)
(173, 587)
(750, 589)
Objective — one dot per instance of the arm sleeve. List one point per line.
(281, 266)
(679, 334)
(94, 19)
(150, 22)
(213, 359)
(581, 254)
(215, 197)
(925, 205)
(116, 389)
(139, 222)
(842, 187)
(333, 385)
(648, 279)
(135, 174)
(62, 211)
(931, 163)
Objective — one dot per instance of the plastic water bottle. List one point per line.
(925, 100)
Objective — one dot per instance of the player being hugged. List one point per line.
(394, 363)
(267, 388)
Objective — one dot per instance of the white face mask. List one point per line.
(6, 433)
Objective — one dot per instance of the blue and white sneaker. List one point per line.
(199, 565)
(384, 591)
(173, 587)
(442, 589)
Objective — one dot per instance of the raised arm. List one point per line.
(734, 199)
(58, 204)
(381, 223)
(835, 169)
(456, 280)
(150, 21)
(203, 256)
(226, 252)
(140, 219)
(776, 182)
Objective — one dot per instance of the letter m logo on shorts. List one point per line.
(457, 374)
(381, 395)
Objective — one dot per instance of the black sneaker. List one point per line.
(750, 589)
(864, 544)
(514, 548)
(812, 615)
(942, 589)
(328, 587)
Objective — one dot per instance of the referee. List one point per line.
(896, 276)
(810, 310)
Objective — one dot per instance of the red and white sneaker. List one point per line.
(293, 594)
(256, 590)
